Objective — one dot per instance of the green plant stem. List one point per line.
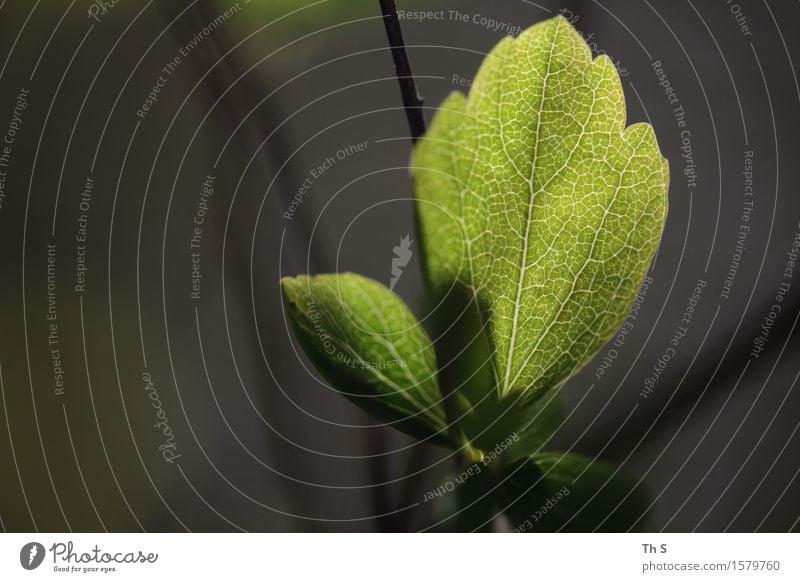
(471, 454)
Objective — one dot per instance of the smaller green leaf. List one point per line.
(565, 492)
(366, 342)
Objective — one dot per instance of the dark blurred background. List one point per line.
(102, 187)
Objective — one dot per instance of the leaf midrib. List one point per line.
(523, 269)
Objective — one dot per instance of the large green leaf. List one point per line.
(566, 492)
(537, 203)
(366, 342)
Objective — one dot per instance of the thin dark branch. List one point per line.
(411, 99)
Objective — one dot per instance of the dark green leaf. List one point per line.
(565, 492)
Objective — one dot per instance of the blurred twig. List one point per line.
(239, 90)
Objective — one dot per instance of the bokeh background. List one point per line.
(263, 93)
